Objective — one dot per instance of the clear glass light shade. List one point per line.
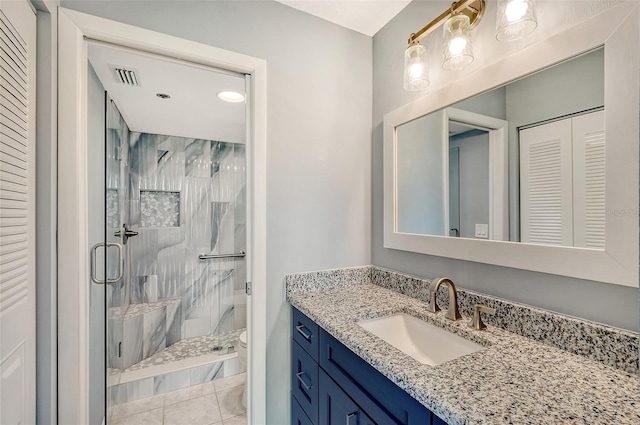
(457, 51)
(515, 19)
(416, 68)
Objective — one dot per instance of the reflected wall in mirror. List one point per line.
(523, 162)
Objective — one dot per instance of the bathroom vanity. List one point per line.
(342, 373)
(332, 385)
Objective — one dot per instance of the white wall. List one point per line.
(420, 175)
(571, 296)
(319, 140)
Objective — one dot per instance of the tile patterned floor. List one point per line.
(217, 402)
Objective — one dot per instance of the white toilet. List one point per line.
(242, 355)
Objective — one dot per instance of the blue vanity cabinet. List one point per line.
(331, 385)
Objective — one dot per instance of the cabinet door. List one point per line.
(384, 401)
(336, 408)
(304, 381)
(298, 417)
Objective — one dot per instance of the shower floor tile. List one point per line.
(191, 347)
(201, 404)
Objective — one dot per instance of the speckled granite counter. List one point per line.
(515, 380)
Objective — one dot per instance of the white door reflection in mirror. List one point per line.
(468, 179)
(562, 180)
(454, 192)
(434, 199)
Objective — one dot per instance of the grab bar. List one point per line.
(214, 256)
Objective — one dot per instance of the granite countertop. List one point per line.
(515, 380)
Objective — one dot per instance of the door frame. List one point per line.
(498, 159)
(74, 28)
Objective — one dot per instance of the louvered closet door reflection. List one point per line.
(545, 184)
(589, 180)
(17, 213)
(562, 182)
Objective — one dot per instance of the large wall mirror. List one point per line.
(530, 163)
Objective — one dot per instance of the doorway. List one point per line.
(137, 284)
(174, 196)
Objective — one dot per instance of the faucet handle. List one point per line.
(476, 322)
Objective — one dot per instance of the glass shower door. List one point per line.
(116, 294)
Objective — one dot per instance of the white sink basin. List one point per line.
(424, 342)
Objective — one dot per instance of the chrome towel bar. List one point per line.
(240, 254)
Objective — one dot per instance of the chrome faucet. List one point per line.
(452, 311)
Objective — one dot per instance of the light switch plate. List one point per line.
(482, 231)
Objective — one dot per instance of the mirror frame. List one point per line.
(618, 30)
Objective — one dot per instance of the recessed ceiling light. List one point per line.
(231, 96)
(163, 96)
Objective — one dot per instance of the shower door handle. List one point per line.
(125, 234)
(94, 251)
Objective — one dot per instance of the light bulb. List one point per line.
(457, 45)
(515, 19)
(416, 70)
(515, 10)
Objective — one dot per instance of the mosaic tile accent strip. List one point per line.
(159, 209)
(326, 279)
(514, 380)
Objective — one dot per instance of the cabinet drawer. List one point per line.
(384, 401)
(305, 333)
(298, 417)
(304, 382)
(337, 408)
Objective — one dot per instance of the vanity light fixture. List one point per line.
(516, 18)
(231, 96)
(458, 21)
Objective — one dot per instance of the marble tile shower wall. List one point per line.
(187, 197)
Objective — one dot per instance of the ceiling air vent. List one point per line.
(126, 76)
